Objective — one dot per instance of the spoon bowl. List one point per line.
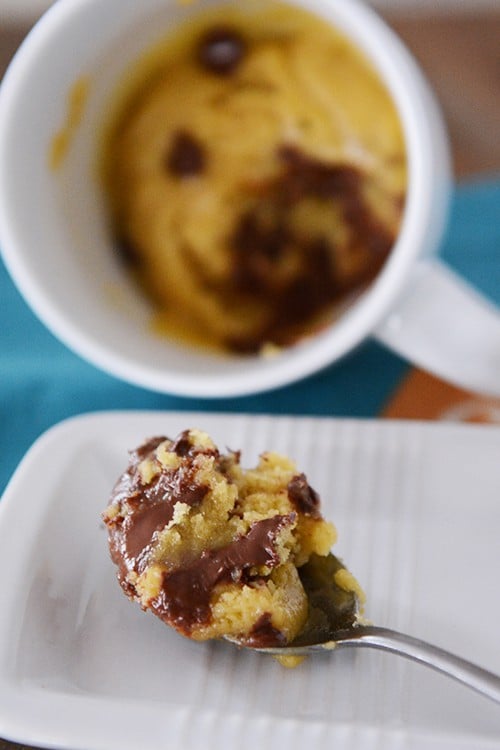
(335, 622)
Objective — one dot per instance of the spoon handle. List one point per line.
(469, 674)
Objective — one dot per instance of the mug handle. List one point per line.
(444, 325)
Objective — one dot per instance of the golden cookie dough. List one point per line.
(215, 550)
(256, 171)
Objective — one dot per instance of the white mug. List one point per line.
(56, 246)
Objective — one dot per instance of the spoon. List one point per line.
(334, 623)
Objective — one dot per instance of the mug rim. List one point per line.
(423, 218)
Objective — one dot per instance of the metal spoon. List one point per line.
(334, 623)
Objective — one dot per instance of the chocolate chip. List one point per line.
(185, 157)
(221, 50)
(127, 252)
(182, 445)
(302, 495)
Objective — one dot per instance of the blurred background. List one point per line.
(455, 41)
(19, 8)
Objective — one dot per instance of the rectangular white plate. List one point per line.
(417, 508)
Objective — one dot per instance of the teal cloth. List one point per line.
(42, 382)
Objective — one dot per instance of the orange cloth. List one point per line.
(423, 396)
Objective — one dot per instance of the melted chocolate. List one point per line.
(264, 241)
(304, 498)
(175, 486)
(185, 156)
(138, 529)
(264, 244)
(128, 485)
(147, 449)
(183, 447)
(264, 634)
(305, 176)
(221, 50)
(152, 505)
(185, 596)
(158, 501)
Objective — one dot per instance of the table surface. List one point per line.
(461, 58)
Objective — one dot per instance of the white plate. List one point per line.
(418, 512)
